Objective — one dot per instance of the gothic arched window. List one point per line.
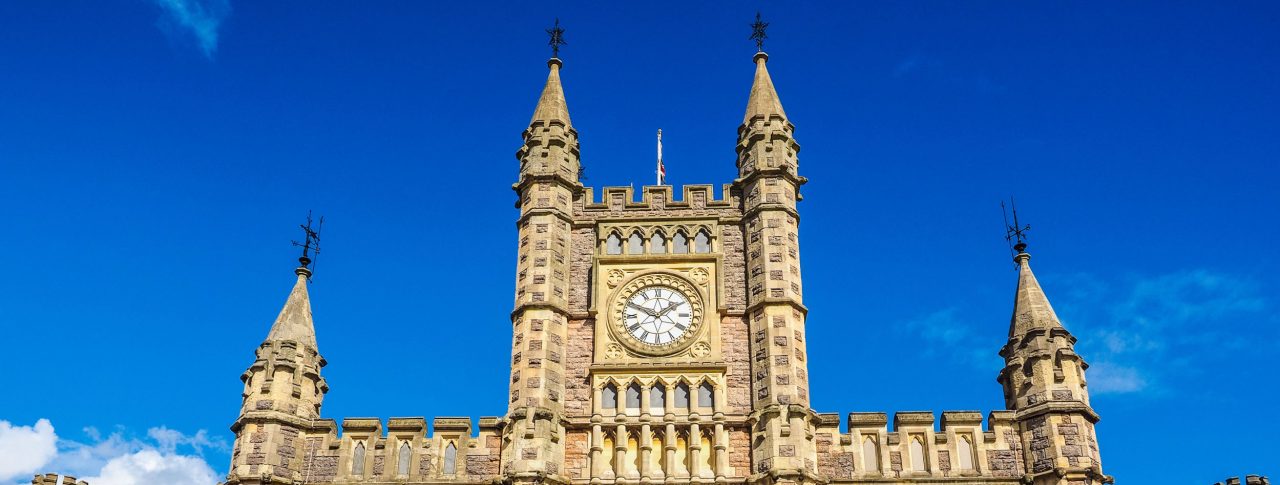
(964, 448)
(402, 461)
(613, 244)
(680, 243)
(357, 460)
(657, 243)
(658, 398)
(870, 454)
(706, 396)
(609, 398)
(682, 396)
(635, 243)
(917, 454)
(702, 242)
(450, 459)
(633, 398)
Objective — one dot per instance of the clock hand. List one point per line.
(643, 309)
(667, 309)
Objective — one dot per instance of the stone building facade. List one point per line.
(659, 337)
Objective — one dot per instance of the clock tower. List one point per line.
(658, 334)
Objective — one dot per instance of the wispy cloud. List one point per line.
(958, 76)
(1139, 333)
(952, 336)
(199, 18)
(1143, 332)
(161, 457)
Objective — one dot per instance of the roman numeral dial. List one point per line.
(657, 315)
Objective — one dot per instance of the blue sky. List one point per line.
(156, 156)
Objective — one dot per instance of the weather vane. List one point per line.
(757, 32)
(557, 38)
(311, 245)
(1016, 234)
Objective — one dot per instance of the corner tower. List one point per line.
(283, 390)
(547, 187)
(769, 181)
(1044, 384)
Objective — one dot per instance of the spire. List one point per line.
(551, 105)
(294, 322)
(1031, 308)
(764, 99)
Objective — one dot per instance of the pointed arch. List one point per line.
(632, 461)
(450, 459)
(964, 452)
(402, 459)
(635, 243)
(680, 242)
(633, 398)
(609, 445)
(609, 397)
(870, 454)
(658, 455)
(681, 396)
(357, 459)
(658, 398)
(613, 243)
(917, 454)
(706, 395)
(682, 454)
(702, 242)
(706, 461)
(658, 242)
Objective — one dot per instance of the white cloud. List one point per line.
(24, 450)
(1139, 333)
(150, 466)
(1144, 333)
(1106, 377)
(199, 17)
(161, 458)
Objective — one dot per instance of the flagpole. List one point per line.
(659, 171)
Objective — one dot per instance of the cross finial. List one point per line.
(557, 38)
(1015, 234)
(311, 245)
(757, 32)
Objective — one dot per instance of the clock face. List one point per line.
(657, 315)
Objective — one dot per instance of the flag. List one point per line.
(662, 169)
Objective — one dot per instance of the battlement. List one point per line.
(658, 197)
(52, 479)
(363, 449)
(919, 445)
(454, 426)
(1248, 480)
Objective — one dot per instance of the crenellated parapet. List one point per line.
(405, 450)
(1248, 480)
(52, 479)
(918, 448)
(657, 199)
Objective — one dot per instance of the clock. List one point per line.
(656, 313)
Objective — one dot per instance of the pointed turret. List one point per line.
(765, 138)
(550, 143)
(1031, 308)
(764, 100)
(283, 390)
(294, 322)
(1044, 383)
(548, 188)
(551, 105)
(770, 188)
